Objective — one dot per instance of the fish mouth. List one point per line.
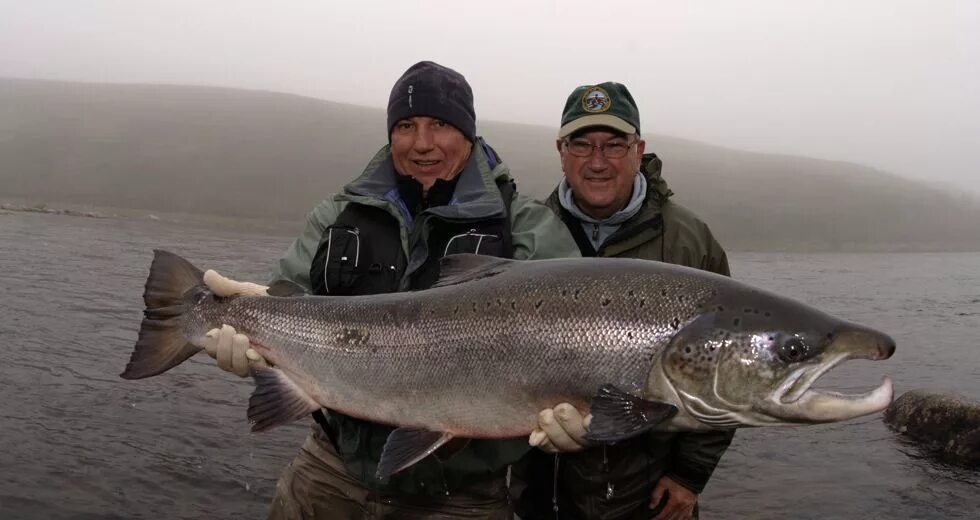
(796, 398)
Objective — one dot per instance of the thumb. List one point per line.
(223, 286)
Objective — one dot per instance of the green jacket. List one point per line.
(535, 233)
(616, 481)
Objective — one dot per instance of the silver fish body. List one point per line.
(497, 341)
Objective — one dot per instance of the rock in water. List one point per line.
(945, 422)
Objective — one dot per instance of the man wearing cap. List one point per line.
(616, 204)
(435, 189)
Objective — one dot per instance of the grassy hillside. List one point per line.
(246, 153)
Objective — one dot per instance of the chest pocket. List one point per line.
(360, 254)
(476, 242)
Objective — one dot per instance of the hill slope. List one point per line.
(247, 153)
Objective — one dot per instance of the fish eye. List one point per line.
(793, 350)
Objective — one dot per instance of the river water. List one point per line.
(79, 442)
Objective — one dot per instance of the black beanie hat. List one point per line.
(429, 89)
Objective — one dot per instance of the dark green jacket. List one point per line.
(615, 481)
(535, 233)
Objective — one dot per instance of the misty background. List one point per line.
(807, 125)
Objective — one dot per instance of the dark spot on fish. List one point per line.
(767, 314)
(575, 296)
(499, 303)
(737, 322)
(564, 292)
(513, 305)
(680, 298)
(771, 338)
(663, 292)
(538, 304)
(830, 335)
(629, 335)
(721, 308)
(675, 324)
(489, 304)
(606, 302)
(456, 310)
(474, 307)
(747, 310)
(687, 350)
(374, 349)
(642, 301)
(755, 311)
(630, 294)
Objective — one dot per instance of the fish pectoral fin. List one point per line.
(406, 446)
(617, 415)
(277, 400)
(285, 288)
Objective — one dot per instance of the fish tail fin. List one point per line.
(161, 344)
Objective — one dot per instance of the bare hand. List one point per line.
(680, 500)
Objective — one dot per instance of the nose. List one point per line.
(886, 347)
(424, 141)
(598, 161)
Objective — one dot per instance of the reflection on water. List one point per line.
(80, 442)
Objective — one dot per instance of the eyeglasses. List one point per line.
(610, 150)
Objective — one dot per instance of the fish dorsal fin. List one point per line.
(285, 288)
(617, 415)
(406, 446)
(276, 400)
(462, 268)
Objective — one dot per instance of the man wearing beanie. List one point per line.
(436, 189)
(616, 204)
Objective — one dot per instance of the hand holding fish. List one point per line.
(230, 349)
(560, 429)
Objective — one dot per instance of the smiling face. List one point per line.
(601, 185)
(426, 149)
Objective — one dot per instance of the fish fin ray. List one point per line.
(406, 446)
(285, 289)
(161, 344)
(466, 267)
(277, 400)
(617, 415)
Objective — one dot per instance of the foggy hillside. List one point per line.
(248, 153)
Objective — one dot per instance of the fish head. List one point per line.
(751, 360)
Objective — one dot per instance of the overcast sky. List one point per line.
(887, 83)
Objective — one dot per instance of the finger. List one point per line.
(571, 421)
(211, 342)
(657, 495)
(239, 360)
(556, 434)
(255, 359)
(225, 339)
(539, 439)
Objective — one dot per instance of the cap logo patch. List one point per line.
(596, 100)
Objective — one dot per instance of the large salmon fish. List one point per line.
(639, 344)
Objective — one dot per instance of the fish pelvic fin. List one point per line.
(161, 344)
(406, 446)
(277, 400)
(617, 415)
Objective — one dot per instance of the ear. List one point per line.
(641, 147)
(558, 143)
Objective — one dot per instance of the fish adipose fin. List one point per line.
(277, 400)
(161, 344)
(462, 268)
(285, 288)
(617, 415)
(406, 446)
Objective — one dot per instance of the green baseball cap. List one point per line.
(606, 104)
